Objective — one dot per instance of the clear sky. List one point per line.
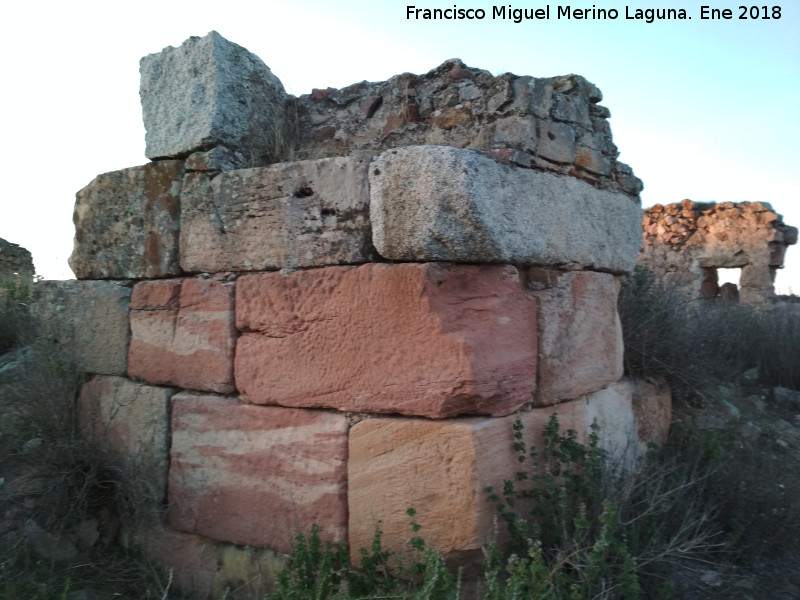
(701, 109)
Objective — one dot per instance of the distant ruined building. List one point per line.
(686, 242)
(15, 261)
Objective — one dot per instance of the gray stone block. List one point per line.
(126, 223)
(436, 203)
(88, 320)
(303, 214)
(206, 92)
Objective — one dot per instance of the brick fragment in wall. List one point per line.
(302, 214)
(580, 336)
(126, 223)
(256, 475)
(432, 339)
(87, 320)
(182, 333)
(447, 204)
(442, 468)
(131, 421)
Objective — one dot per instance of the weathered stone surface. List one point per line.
(192, 560)
(447, 204)
(182, 333)
(580, 336)
(88, 320)
(126, 223)
(131, 421)
(303, 214)
(433, 340)
(15, 261)
(208, 92)
(685, 243)
(256, 475)
(442, 469)
(549, 123)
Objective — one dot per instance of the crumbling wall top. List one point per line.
(218, 105)
(15, 261)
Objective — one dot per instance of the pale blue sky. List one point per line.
(707, 110)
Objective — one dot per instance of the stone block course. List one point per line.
(433, 340)
(447, 204)
(131, 421)
(88, 320)
(182, 333)
(126, 223)
(303, 214)
(256, 475)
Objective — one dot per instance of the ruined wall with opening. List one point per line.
(336, 339)
(686, 243)
(15, 261)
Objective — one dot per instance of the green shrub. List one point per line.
(580, 529)
(319, 570)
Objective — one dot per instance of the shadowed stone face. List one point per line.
(127, 223)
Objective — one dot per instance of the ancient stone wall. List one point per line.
(335, 340)
(15, 261)
(686, 242)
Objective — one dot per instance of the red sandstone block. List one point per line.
(580, 336)
(256, 475)
(182, 333)
(433, 339)
(442, 468)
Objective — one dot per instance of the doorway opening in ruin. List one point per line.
(721, 283)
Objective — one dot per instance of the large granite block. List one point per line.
(448, 204)
(209, 92)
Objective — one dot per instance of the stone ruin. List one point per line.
(15, 261)
(335, 339)
(685, 243)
